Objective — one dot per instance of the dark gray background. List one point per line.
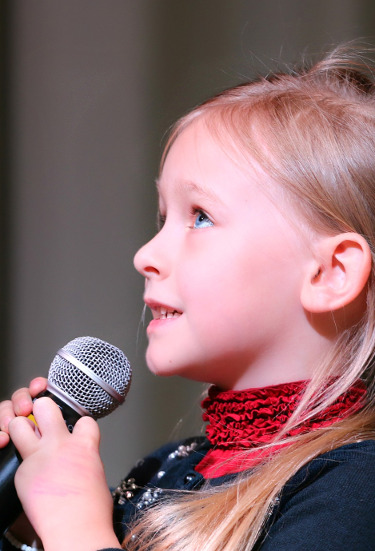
(88, 89)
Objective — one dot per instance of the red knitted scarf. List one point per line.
(246, 419)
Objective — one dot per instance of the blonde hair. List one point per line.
(318, 125)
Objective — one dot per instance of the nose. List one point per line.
(147, 261)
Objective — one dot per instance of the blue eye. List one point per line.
(201, 219)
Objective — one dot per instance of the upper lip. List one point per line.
(158, 308)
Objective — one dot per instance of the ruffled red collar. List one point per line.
(246, 419)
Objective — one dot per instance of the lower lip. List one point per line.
(158, 323)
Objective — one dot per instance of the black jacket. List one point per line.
(328, 505)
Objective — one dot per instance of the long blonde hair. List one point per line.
(318, 125)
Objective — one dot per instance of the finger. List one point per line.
(6, 414)
(37, 385)
(22, 433)
(49, 418)
(87, 431)
(22, 402)
(4, 439)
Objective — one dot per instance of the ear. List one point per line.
(338, 273)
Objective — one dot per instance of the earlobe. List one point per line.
(338, 273)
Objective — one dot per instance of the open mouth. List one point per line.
(162, 313)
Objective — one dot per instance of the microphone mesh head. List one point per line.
(105, 360)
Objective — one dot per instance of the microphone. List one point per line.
(87, 377)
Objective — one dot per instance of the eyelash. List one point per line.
(161, 218)
(194, 211)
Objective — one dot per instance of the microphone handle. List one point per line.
(10, 505)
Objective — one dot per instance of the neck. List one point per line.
(294, 356)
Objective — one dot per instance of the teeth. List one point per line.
(167, 314)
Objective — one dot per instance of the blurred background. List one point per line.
(88, 89)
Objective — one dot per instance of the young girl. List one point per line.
(261, 283)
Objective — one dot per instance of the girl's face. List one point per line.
(223, 275)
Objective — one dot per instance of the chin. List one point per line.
(159, 368)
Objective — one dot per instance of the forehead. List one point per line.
(198, 163)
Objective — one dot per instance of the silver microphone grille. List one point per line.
(91, 375)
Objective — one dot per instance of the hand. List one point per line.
(61, 481)
(20, 404)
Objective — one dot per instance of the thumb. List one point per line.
(87, 431)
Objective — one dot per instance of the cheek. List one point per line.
(217, 301)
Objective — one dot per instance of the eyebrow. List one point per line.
(188, 185)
